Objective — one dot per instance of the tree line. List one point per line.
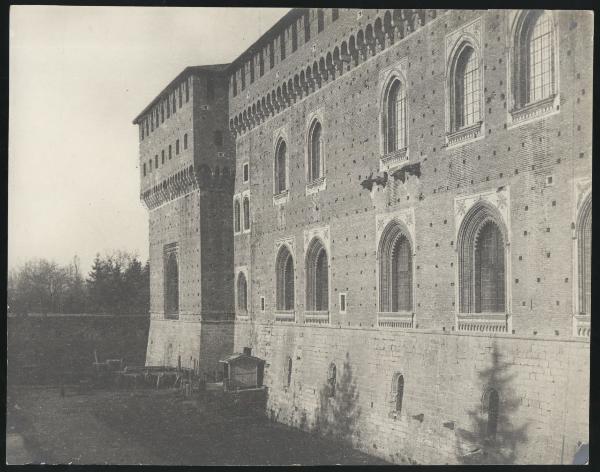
(118, 283)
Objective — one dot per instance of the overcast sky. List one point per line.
(78, 77)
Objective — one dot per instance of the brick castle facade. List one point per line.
(393, 209)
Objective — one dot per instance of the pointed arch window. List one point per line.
(482, 259)
(315, 149)
(395, 117)
(317, 277)
(584, 249)
(489, 270)
(242, 293)
(236, 216)
(171, 293)
(281, 167)
(246, 206)
(467, 93)
(535, 50)
(284, 268)
(395, 270)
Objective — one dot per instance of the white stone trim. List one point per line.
(471, 33)
(280, 134)
(322, 232)
(500, 200)
(243, 195)
(582, 188)
(403, 215)
(316, 115)
(238, 198)
(400, 319)
(398, 70)
(544, 108)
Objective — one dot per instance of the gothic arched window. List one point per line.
(246, 213)
(242, 293)
(317, 277)
(236, 216)
(395, 270)
(281, 167)
(284, 268)
(466, 105)
(534, 52)
(489, 270)
(315, 151)
(584, 256)
(395, 117)
(171, 284)
(481, 249)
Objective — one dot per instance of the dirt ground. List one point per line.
(153, 427)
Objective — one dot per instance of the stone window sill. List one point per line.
(171, 316)
(534, 110)
(285, 316)
(483, 322)
(280, 197)
(582, 325)
(464, 135)
(394, 158)
(316, 186)
(399, 319)
(316, 317)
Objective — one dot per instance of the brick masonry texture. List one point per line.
(191, 206)
(541, 369)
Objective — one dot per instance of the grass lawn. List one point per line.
(156, 427)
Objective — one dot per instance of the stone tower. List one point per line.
(186, 181)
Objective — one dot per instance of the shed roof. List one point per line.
(239, 356)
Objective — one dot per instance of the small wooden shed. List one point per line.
(242, 371)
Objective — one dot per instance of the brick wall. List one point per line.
(543, 358)
(191, 206)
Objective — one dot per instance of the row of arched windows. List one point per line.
(315, 162)
(533, 77)
(482, 253)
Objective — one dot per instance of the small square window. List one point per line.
(246, 172)
(549, 180)
(342, 303)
